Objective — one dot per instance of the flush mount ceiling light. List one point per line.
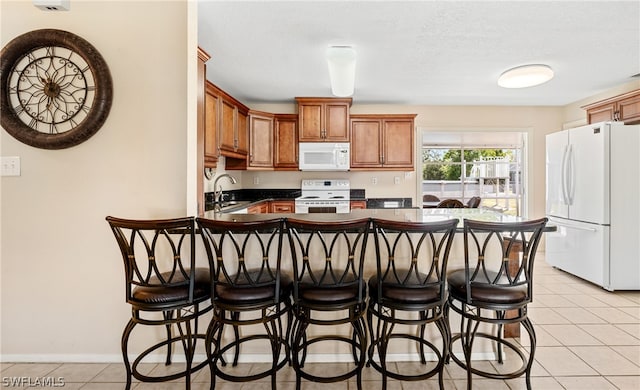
(342, 69)
(525, 76)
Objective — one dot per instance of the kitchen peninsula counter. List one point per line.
(400, 214)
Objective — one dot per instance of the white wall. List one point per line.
(62, 278)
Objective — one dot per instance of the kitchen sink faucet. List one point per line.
(217, 190)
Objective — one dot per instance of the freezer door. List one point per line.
(581, 249)
(588, 170)
(556, 190)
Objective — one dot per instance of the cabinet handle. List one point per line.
(616, 115)
(382, 158)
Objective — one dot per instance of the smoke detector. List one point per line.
(52, 5)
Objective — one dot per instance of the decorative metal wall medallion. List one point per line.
(56, 89)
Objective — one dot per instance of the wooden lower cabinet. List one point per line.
(282, 206)
(260, 208)
(358, 204)
(273, 206)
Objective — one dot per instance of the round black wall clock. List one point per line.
(56, 89)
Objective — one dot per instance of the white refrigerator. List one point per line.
(593, 198)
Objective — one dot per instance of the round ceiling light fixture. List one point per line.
(525, 76)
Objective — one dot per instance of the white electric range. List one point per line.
(324, 196)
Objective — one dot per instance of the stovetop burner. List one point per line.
(320, 190)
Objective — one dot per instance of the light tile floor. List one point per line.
(588, 338)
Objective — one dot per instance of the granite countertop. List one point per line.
(399, 214)
(260, 194)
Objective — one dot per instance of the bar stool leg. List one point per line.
(125, 356)
(167, 317)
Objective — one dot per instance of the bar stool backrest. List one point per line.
(413, 254)
(158, 255)
(328, 254)
(488, 248)
(245, 255)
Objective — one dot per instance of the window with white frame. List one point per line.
(464, 165)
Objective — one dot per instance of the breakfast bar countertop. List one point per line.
(401, 214)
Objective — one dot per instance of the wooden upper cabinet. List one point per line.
(624, 108)
(398, 145)
(382, 141)
(201, 113)
(229, 123)
(285, 142)
(366, 142)
(260, 140)
(233, 127)
(242, 131)
(629, 108)
(323, 119)
(211, 127)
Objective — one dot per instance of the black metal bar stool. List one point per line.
(487, 291)
(163, 287)
(409, 290)
(329, 290)
(248, 288)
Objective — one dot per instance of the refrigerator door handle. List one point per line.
(586, 229)
(563, 178)
(570, 175)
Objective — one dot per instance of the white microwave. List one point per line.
(324, 156)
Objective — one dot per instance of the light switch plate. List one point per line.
(11, 166)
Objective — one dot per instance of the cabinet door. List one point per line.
(336, 122)
(397, 144)
(283, 206)
(601, 113)
(211, 130)
(260, 208)
(311, 125)
(201, 110)
(365, 143)
(286, 142)
(261, 141)
(228, 125)
(629, 109)
(323, 119)
(358, 204)
(242, 133)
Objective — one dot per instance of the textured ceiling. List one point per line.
(420, 52)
